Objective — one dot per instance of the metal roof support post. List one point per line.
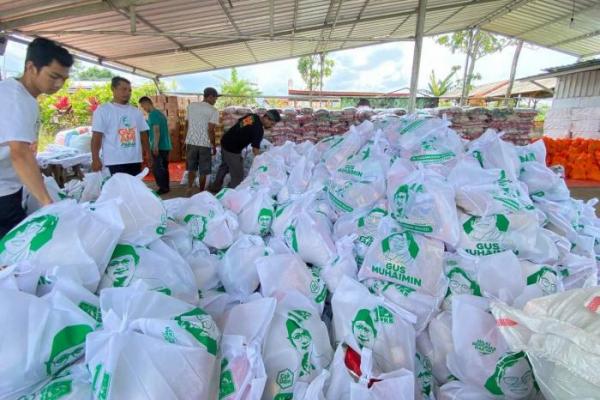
(157, 84)
(513, 71)
(414, 78)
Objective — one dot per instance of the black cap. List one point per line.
(210, 91)
(273, 115)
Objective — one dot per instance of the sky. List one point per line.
(379, 68)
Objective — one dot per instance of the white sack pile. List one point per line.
(392, 262)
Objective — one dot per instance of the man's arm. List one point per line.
(96, 146)
(25, 164)
(212, 137)
(146, 148)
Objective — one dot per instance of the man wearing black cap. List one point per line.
(200, 141)
(248, 130)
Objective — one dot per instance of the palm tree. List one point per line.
(243, 91)
(438, 88)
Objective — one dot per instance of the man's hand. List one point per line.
(214, 150)
(26, 167)
(96, 165)
(148, 160)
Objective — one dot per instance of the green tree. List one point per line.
(243, 92)
(439, 87)
(93, 73)
(475, 44)
(314, 69)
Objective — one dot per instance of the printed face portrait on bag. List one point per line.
(363, 328)
(24, 240)
(121, 267)
(512, 377)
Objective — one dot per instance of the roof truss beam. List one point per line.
(576, 38)
(501, 11)
(236, 27)
(60, 12)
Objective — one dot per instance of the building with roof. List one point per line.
(575, 108)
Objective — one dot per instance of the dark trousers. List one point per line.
(160, 169)
(11, 211)
(232, 164)
(131, 169)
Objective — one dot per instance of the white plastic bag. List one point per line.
(540, 280)
(423, 202)
(344, 263)
(147, 338)
(237, 271)
(481, 357)
(440, 334)
(559, 333)
(257, 214)
(158, 266)
(309, 235)
(68, 235)
(243, 374)
(363, 320)
(542, 182)
(92, 185)
(207, 221)
(143, 213)
(48, 334)
(404, 258)
(492, 152)
(281, 273)
(362, 224)
(297, 346)
(351, 142)
(71, 384)
(234, 199)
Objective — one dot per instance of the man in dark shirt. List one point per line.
(248, 130)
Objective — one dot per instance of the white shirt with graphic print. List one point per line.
(120, 126)
(199, 116)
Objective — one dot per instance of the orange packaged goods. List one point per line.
(580, 157)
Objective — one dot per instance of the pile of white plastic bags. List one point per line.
(396, 261)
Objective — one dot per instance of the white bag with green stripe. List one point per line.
(71, 384)
(423, 202)
(308, 234)
(42, 335)
(544, 183)
(351, 142)
(405, 258)
(492, 152)
(540, 280)
(147, 338)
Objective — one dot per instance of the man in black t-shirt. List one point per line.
(248, 130)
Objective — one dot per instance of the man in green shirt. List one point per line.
(160, 144)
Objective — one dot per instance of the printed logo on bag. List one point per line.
(337, 194)
(364, 328)
(92, 311)
(126, 133)
(222, 193)
(460, 282)
(508, 196)
(487, 232)
(546, 279)
(27, 238)
(368, 225)
(265, 217)
(289, 235)
(349, 169)
(432, 153)
(169, 335)
(399, 252)
(301, 340)
(201, 326)
(528, 157)
(226, 383)
(52, 391)
(122, 265)
(162, 228)
(512, 377)
(285, 379)
(317, 286)
(477, 155)
(67, 346)
(424, 374)
(197, 225)
(483, 347)
(104, 389)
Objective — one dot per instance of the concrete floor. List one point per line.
(579, 192)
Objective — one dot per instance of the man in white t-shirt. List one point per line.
(47, 68)
(200, 141)
(121, 131)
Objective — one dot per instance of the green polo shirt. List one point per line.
(157, 118)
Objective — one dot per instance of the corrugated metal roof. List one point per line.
(498, 89)
(182, 36)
